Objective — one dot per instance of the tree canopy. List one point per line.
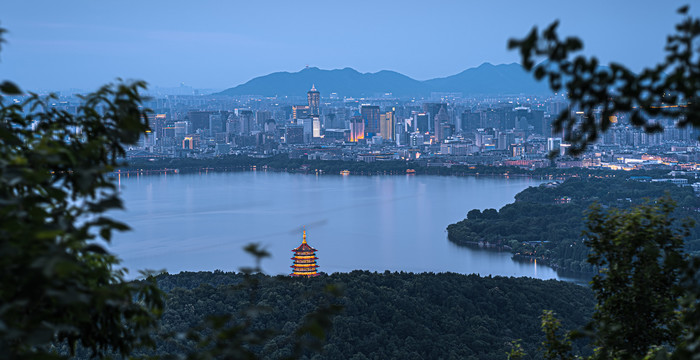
(647, 293)
(665, 90)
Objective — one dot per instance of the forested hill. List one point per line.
(386, 315)
(546, 222)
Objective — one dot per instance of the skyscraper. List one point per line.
(246, 121)
(314, 98)
(357, 127)
(420, 122)
(216, 124)
(315, 126)
(370, 115)
(300, 112)
(199, 119)
(440, 119)
(386, 125)
(432, 109)
(294, 134)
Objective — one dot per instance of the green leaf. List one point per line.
(10, 88)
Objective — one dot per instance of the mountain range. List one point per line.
(486, 79)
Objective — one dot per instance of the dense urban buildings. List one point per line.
(441, 130)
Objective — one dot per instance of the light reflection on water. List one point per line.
(193, 222)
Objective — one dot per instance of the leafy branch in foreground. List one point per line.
(58, 285)
(666, 90)
(647, 292)
(61, 291)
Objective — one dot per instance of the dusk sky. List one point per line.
(219, 44)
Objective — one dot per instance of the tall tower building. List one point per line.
(387, 122)
(304, 260)
(246, 121)
(314, 98)
(420, 122)
(440, 119)
(370, 114)
(357, 127)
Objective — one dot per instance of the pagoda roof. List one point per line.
(304, 246)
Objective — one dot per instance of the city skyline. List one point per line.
(213, 45)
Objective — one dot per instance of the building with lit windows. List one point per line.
(357, 127)
(370, 114)
(304, 260)
(314, 98)
(386, 125)
(300, 112)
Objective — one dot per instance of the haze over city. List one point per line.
(215, 45)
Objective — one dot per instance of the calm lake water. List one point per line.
(196, 222)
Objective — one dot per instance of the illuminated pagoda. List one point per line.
(304, 260)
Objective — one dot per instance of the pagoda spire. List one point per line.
(303, 241)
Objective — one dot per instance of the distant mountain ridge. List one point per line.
(487, 79)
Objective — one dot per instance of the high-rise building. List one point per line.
(232, 124)
(386, 125)
(300, 112)
(537, 121)
(314, 98)
(553, 144)
(216, 125)
(261, 116)
(270, 126)
(199, 120)
(315, 127)
(304, 260)
(182, 128)
(432, 109)
(157, 123)
(400, 134)
(245, 119)
(370, 115)
(307, 125)
(471, 120)
(294, 134)
(420, 122)
(357, 127)
(440, 119)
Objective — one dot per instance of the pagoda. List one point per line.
(304, 260)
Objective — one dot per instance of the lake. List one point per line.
(200, 222)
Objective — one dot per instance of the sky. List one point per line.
(217, 44)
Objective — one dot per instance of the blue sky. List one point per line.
(219, 44)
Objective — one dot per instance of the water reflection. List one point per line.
(201, 221)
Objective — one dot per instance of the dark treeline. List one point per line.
(283, 163)
(386, 315)
(546, 222)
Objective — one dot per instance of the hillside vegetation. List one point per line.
(385, 315)
(546, 222)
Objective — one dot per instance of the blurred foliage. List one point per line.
(62, 293)
(58, 284)
(646, 292)
(666, 90)
(640, 252)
